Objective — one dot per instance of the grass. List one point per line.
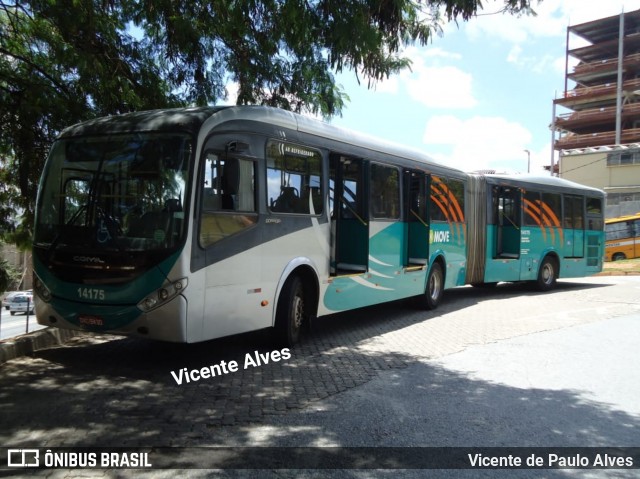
(624, 267)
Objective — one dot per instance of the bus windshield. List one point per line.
(123, 193)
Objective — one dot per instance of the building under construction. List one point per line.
(598, 125)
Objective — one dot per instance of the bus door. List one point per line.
(507, 214)
(387, 231)
(417, 218)
(350, 219)
(573, 225)
(594, 240)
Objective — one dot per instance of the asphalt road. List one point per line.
(11, 326)
(499, 368)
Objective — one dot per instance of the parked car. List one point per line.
(21, 304)
(6, 301)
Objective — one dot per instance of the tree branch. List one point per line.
(37, 68)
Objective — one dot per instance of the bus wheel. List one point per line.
(291, 314)
(618, 257)
(435, 287)
(547, 274)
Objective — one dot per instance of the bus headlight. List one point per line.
(41, 290)
(162, 295)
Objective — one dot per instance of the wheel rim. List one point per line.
(298, 312)
(547, 273)
(435, 285)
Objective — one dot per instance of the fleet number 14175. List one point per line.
(91, 293)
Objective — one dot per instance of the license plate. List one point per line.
(90, 320)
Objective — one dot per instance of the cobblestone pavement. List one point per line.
(102, 390)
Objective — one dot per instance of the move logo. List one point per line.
(439, 236)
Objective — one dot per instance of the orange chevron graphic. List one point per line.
(553, 221)
(451, 209)
(535, 213)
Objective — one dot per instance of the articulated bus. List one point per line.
(533, 229)
(623, 237)
(191, 224)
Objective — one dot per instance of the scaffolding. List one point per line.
(604, 103)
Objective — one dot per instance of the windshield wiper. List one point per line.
(72, 220)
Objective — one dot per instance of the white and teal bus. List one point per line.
(192, 224)
(526, 228)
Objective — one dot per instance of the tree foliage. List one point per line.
(9, 276)
(68, 60)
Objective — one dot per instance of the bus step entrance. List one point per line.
(349, 268)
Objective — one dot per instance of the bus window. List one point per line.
(439, 199)
(619, 230)
(595, 218)
(532, 208)
(385, 192)
(352, 204)
(294, 179)
(76, 192)
(456, 199)
(594, 206)
(507, 207)
(574, 212)
(417, 208)
(228, 198)
(550, 209)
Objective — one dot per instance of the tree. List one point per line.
(9, 277)
(65, 61)
(60, 63)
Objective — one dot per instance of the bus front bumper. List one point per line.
(165, 323)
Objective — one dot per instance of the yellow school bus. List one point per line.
(623, 237)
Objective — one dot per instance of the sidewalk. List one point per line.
(506, 367)
(27, 344)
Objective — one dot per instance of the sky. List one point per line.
(482, 93)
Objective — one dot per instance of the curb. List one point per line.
(618, 273)
(27, 344)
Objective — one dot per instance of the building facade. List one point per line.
(598, 125)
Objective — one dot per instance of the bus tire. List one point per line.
(291, 312)
(618, 257)
(547, 274)
(435, 287)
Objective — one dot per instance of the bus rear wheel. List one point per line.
(618, 257)
(547, 274)
(291, 313)
(434, 289)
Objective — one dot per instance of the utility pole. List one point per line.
(619, 83)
